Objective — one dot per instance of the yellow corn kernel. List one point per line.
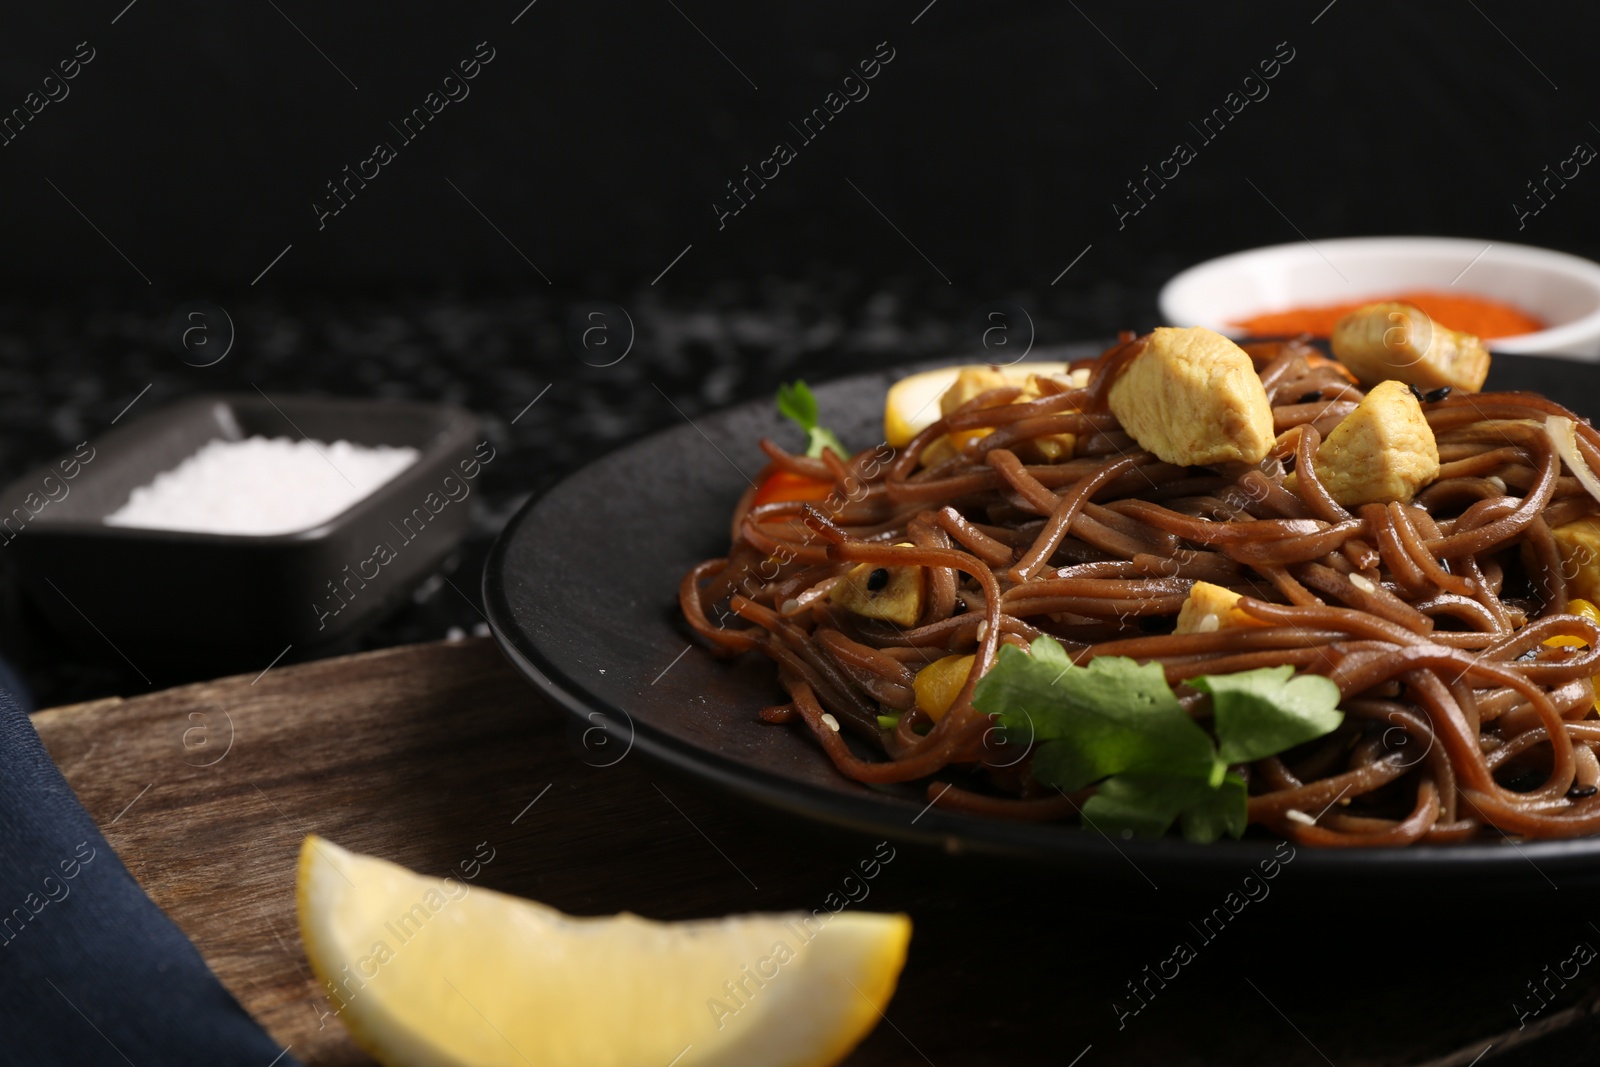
(1585, 608)
(1210, 608)
(1581, 607)
(951, 445)
(937, 684)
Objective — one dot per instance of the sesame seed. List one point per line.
(1295, 815)
(833, 724)
(1363, 583)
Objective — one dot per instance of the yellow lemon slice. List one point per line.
(913, 402)
(436, 971)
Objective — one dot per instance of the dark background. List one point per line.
(599, 136)
(588, 156)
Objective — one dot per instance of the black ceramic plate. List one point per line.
(582, 588)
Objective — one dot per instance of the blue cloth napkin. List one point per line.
(91, 971)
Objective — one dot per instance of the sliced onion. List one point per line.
(1560, 430)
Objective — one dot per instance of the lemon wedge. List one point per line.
(913, 402)
(435, 971)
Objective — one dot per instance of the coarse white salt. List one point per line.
(261, 486)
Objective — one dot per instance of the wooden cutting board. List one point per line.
(421, 755)
(429, 754)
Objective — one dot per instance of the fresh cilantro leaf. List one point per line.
(1117, 725)
(1144, 805)
(797, 403)
(1111, 717)
(1219, 812)
(1263, 712)
(820, 439)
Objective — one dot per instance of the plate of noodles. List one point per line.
(1171, 601)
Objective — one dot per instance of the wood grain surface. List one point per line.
(424, 754)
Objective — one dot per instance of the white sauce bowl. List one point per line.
(1560, 289)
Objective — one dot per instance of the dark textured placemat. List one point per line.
(69, 369)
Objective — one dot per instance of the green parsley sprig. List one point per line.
(1118, 724)
(797, 403)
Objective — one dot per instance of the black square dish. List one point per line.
(164, 597)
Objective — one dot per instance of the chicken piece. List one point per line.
(1054, 447)
(1579, 543)
(1193, 398)
(973, 382)
(893, 594)
(1211, 608)
(1395, 341)
(1382, 451)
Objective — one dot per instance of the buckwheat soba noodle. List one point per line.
(1463, 678)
